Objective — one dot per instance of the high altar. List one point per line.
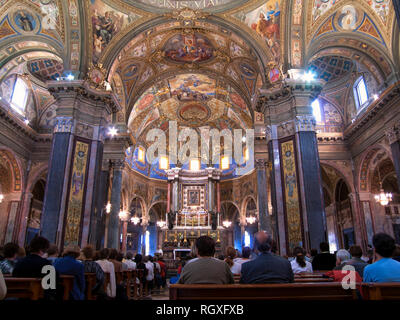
(193, 210)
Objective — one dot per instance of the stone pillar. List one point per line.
(297, 185)
(56, 177)
(113, 224)
(393, 135)
(70, 205)
(124, 235)
(262, 189)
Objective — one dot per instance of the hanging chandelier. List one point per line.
(227, 223)
(251, 219)
(383, 198)
(161, 224)
(135, 220)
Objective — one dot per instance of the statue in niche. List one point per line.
(171, 219)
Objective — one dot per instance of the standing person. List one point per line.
(68, 265)
(205, 268)
(150, 272)
(230, 260)
(129, 262)
(299, 263)
(384, 269)
(107, 267)
(10, 252)
(163, 274)
(324, 260)
(113, 256)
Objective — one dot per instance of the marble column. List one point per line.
(297, 194)
(396, 5)
(57, 175)
(264, 218)
(113, 224)
(70, 204)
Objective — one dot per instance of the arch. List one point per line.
(15, 163)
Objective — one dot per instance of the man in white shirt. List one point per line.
(129, 262)
(150, 272)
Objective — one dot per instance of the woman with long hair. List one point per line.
(299, 263)
(235, 267)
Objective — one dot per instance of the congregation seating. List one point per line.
(381, 291)
(24, 288)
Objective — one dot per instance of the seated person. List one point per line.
(266, 267)
(230, 260)
(342, 257)
(10, 252)
(91, 266)
(52, 253)
(324, 260)
(385, 269)
(299, 263)
(108, 267)
(113, 256)
(68, 265)
(246, 252)
(205, 268)
(129, 262)
(3, 287)
(31, 266)
(356, 261)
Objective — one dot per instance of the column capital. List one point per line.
(305, 122)
(393, 133)
(63, 125)
(117, 164)
(261, 164)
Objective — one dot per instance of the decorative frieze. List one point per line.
(63, 125)
(305, 123)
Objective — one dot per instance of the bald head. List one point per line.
(263, 242)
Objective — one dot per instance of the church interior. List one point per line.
(292, 104)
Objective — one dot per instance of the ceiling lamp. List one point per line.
(226, 223)
(251, 220)
(383, 198)
(135, 220)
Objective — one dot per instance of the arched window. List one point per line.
(317, 111)
(360, 92)
(246, 239)
(19, 96)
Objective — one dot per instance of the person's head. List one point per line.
(72, 251)
(52, 251)
(39, 245)
(129, 255)
(342, 256)
(138, 258)
(264, 244)
(10, 250)
(246, 252)
(21, 253)
(104, 253)
(120, 256)
(230, 255)
(205, 246)
(313, 252)
(88, 253)
(299, 253)
(150, 258)
(113, 254)
(384, 245)
(221, 257)
(356, 251)
(259, 237)
(324, 247)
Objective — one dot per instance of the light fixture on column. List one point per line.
(161, 224)
(108, 207)
(226, 223)
(135, 220)
(251, 220)
(383, 198)
(123, 215)
(112, 131)
(1, 198)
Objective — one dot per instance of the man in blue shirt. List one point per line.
(68, 265)
(385, 269)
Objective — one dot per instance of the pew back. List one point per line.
(293, 291)
(381, 291)
(27, 288)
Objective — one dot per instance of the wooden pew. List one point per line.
(127, 277)
(67, 283)
(90, 284)
(28, 288)
(381, 291)
(312, 280)
(118, 277)
(293, 291)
